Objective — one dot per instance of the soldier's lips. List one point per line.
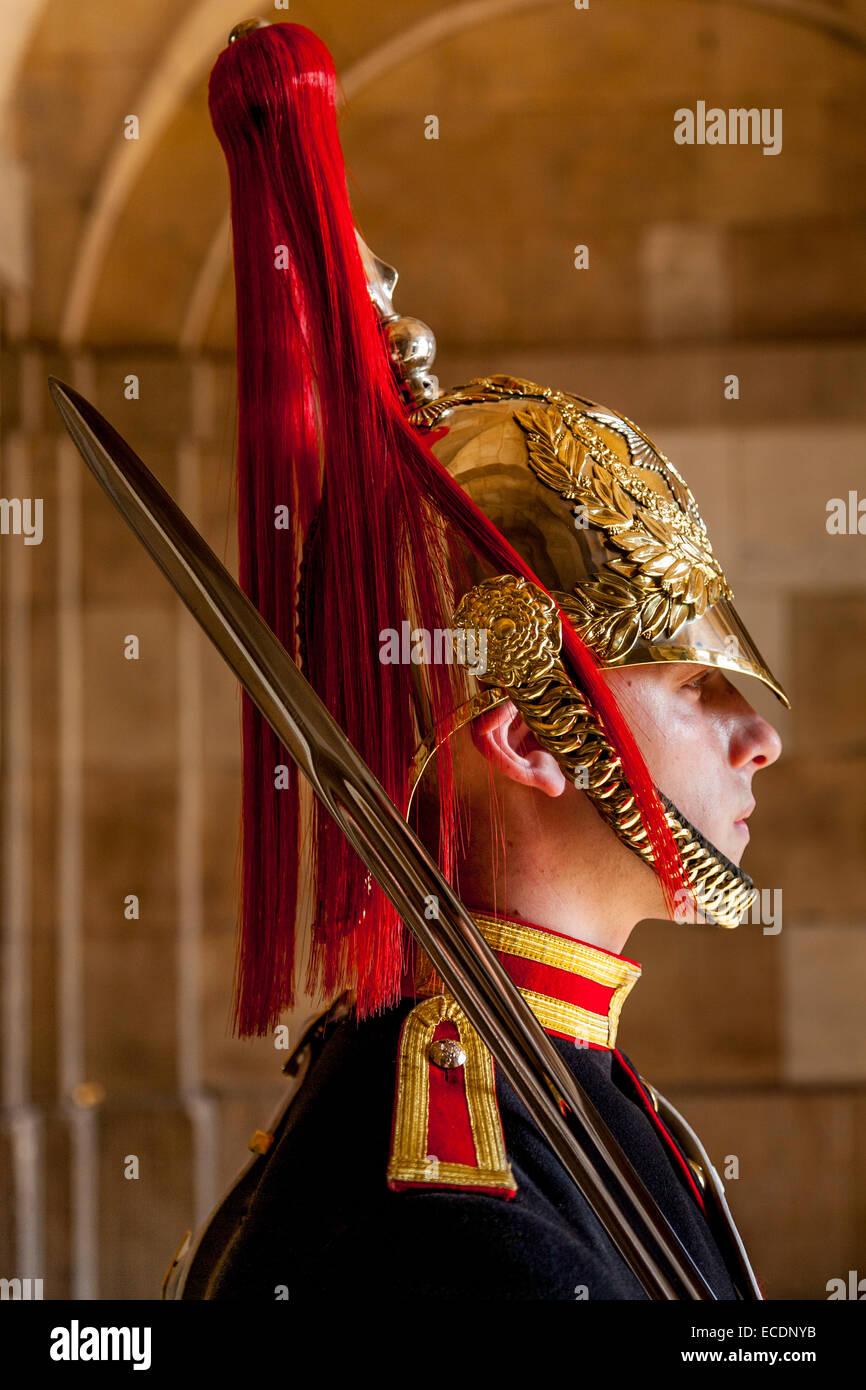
(741, 823)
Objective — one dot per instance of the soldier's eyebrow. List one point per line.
(688, 670)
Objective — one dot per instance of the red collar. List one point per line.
(575, 990)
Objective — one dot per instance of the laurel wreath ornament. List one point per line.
(666, 574)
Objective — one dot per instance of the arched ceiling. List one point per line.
(556, 127)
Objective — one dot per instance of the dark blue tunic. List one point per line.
(321, 1222)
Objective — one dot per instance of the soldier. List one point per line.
(584, 764)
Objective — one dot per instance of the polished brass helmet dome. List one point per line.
(603, 517)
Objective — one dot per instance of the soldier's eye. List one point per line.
(698, 681)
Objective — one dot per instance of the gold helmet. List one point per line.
(614, 533)
(604, 518)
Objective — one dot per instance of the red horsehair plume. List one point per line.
(323, 435)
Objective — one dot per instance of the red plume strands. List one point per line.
(321, 431)
(328, 465)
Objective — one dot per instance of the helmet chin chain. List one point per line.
(738, 884)
(522, 640)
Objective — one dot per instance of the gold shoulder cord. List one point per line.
(410, 1160)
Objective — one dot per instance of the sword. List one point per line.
(395, 857)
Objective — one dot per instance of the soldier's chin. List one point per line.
(732, 843)
(729, 844)
(729, 840)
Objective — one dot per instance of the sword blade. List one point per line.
(393, 854)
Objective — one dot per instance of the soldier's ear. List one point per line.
(504, 738)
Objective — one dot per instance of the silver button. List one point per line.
(446, 1053)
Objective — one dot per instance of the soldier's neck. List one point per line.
(547, 910)
(597, 896)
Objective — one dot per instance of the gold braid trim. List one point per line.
(562, 953)
(410, 1161)
(524, 638)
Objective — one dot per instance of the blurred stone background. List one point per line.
(119, 777)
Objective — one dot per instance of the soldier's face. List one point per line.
(702, 742)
